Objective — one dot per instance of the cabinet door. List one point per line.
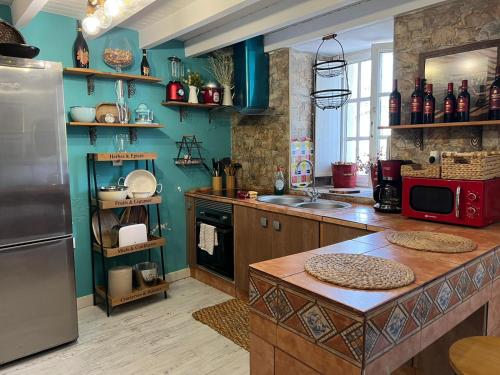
(333, 233)
(292, 234)
(252, 241)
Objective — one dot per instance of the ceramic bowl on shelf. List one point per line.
(112, 193)
(82, 114)
(141, 184)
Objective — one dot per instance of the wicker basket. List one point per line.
(483, 165)
(419, 170)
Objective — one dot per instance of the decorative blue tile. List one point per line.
(271, 301)
(371, 336)
(479, 275)
(316, 322)
(353, 338)
(253, 293)
(444, 295)
(422, 308)
(285, 309)
(395, 323)
(463, 284)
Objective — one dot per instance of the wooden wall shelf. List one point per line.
(418, 137)
(110, 252)
(444, 125)
(132, 128)
(161, 286)
(107, 205)
(183, 105)
(91, 74)
(117, 156)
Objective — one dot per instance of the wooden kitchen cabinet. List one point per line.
(334, 233)
(293, 235)
(190, 231)
(252, 241)
(261, 235)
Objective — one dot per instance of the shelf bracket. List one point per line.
(90, 85)
(418, 139)
(132, 135)
(131, 88)
(182, 114)
(92, 135)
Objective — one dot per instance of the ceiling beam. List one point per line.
(349, 18)
(196, 14)
(23, 11)
(274, 17)
(124, 16)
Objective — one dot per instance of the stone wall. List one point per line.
(449, 24)
(261, 143)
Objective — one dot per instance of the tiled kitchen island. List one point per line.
(300, 323)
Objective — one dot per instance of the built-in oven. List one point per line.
(219, 215)
(472, 203)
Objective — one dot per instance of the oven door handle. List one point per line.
(217, 229)
(457, 202)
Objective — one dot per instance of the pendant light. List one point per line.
(100, 14)
(333, 98)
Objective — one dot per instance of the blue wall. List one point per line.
(54, 35)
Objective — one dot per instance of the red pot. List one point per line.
(211, 94)
(344, 175)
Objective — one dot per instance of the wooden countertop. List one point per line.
(426, 266)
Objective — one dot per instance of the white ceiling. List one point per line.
(353, 40)
(153, 13)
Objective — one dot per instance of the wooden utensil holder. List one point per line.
(217, 183)
(230, 182)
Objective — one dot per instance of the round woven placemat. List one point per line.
(359, 271)
(431, 241)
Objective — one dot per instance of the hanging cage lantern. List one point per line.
(333, 67)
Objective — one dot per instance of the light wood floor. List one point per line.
(149, 337)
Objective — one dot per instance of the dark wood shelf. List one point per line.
(444, 125)
(161, 286)
(106, 205)
(110, 252)
(115, 125)
(186, 162)
(117, 156)
(109, 75)
(192, 105)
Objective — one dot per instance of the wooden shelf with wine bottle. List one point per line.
(444, 125)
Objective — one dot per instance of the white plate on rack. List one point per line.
(141, 184)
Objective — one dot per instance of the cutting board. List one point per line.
(345, 191)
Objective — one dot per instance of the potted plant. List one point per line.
(370, 166)
(194, 81)
(221, 66)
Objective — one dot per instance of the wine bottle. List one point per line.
(450, 103)
(145, 70)
(80, 49)
(416, 101)
(463, 103)
(395, 105)
(494, 113)
(429, 105)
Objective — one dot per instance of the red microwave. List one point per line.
(464, 202)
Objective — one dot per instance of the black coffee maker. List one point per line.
(388, 192)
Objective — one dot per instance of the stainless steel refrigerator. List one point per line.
(37, 277)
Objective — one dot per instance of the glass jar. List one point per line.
(118, 53)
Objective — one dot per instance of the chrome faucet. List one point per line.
(313, 194)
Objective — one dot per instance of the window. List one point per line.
(353, 130)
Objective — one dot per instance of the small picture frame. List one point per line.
(475, 62)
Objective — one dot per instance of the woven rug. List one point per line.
(431, 241)
(229, 318)
(359, 271)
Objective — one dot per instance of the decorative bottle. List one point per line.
(395, 105)
(463, 103)
(494, 97)
(279, 181)
(80, 49)
(145, 69)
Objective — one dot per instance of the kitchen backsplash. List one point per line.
(261, 143)
(459, 22)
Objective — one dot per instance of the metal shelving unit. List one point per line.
(102, 253)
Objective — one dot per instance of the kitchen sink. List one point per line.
(324, 205)
(284, 200)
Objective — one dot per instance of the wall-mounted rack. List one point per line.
(418, 140)
(132, 128)
(92, 74)
(185, 105)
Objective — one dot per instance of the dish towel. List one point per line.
(208, 238)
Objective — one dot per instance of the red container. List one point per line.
(344, 175)
(391, 170)
(211, 94)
